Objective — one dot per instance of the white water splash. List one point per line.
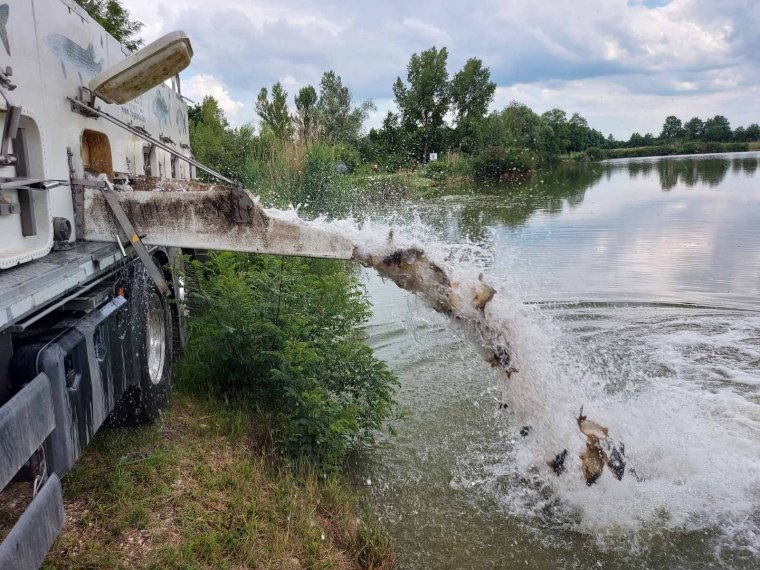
(678, 387)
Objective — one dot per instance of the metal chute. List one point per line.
(191, 214)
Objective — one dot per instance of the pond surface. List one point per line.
(634, 289)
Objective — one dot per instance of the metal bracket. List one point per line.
(131, 235)
(86, 106)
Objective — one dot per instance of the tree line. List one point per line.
(443, 114)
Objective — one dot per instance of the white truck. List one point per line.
(98, 200)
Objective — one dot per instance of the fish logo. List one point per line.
(72, 54)
(161, 108)
(181, 122)
(4, 11)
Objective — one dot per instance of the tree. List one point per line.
(116, 20)
(717, 129)
(306, 113)
(752, 133)
(557, 120)
(635, 140)
(339, 120)
(214, 143)
(693, 129)
(672, 129)
(471, 91)
(274, 114)
(577, 131)
(424, 102)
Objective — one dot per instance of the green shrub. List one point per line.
(595, 153)
(436, 170)
(463, 166)
(323, 190)
(495, 162)
(285, 332)
(348, 155)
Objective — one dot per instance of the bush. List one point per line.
(286, 334)
(595, 153)
(496, 162)
(348, 155)
(322, 189)
(436, 170)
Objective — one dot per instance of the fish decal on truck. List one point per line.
(4, 11)
(181, 122)
(161, 108)
(72, 54)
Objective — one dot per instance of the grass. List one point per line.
(201, 491)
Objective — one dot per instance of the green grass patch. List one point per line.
(200, 491)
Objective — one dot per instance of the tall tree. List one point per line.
(557, 120)
(339, 120)
(423, 103)
(693, 128)
(471, 91)
(306, 113)
(274, 114)
(116, 20)
(717, 129)
(214, 143)
(752, 132)
(672, 129)
(577, 132)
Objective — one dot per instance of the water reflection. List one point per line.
(688, 171)
(565, 187)
(663, 229)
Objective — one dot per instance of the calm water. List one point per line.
(634, 289)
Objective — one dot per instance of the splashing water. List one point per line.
(656, 376)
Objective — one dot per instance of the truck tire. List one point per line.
(143, 404)
(156, 368)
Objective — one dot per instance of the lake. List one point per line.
(634, 289)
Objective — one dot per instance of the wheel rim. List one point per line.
(156, 337)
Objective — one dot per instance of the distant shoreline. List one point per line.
(597, 154)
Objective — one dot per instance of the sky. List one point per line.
(623, 64)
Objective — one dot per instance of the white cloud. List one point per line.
(427, 31)
(199, 86)
(624, 64)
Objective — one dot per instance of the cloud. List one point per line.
(200, 86)
(624, 58)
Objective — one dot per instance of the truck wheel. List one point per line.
(156, 367)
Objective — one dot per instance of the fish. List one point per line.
(4, 12)
(601, 450)
(590, 428)
(483, 294)
(412, 270)
(616, 461)
(558, 463)
(592, 462)
(161, 108)
(71, 53)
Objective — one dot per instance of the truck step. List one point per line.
(34, 533)
(25, 421)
